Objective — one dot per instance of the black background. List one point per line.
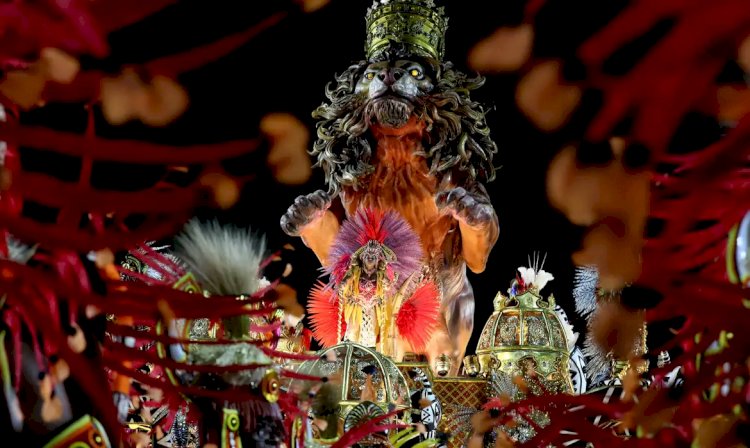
(285, 69)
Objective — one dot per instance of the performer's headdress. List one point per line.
(413, 27)
(375, 230)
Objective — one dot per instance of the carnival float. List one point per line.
(131, 318)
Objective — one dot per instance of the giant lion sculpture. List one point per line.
(400, 132)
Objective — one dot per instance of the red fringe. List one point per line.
(171, 270)
(30, 27)
(151, 336)
(367, 428)
(325, 319)
(678, 70)
(286, 355)
(115, 14)
(417, 318)
(299, 376)
(155, 227)
(124, 151)
(133, 354)
(685, 261)
(373, 227)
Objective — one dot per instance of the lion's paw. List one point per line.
(304, 211)
(465, 207)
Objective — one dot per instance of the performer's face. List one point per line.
(392, 88)
(369, 262)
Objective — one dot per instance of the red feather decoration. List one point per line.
(418, 316)
(324, 315)
(375, 425)
(373, 227)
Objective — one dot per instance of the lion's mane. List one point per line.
(458, 136)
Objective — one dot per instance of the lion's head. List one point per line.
(388, 93)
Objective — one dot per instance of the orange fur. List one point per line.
(402, 182)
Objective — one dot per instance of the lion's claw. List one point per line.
(304, 211)
(465, 207)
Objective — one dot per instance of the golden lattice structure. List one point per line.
(416, 25)
(524, 337)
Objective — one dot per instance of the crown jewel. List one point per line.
(416, 26)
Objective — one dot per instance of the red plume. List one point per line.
(323, 307)
(373, 426)
(373, 227)
(418, 316)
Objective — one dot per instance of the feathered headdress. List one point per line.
(387, 229)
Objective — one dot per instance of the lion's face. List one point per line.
(391, 88)
(388, 94)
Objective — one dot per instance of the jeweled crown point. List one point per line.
(408, 27)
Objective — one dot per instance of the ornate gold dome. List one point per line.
(523, 335)
(353, 363)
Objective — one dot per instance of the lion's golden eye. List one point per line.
(415, 73)
(370, 75)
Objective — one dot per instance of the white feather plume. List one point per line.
(542, 278)
(527, 274)
(533, 277)
(584, 290)
(225, 259)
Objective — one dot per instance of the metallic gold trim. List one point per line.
(731, 258)
(416, 24)
(459, 379)
(77, 428)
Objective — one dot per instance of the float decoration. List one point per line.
(524, 336)
(432, 152)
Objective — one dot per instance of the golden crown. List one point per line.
(416, 26)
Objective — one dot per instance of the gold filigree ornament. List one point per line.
(417, 25)
(524, 337)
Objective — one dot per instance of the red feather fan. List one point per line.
(324, 315)
(418, 316)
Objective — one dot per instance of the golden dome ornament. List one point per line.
(366, 376)
(362, 375)
(525, 337)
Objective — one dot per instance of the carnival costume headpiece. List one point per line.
(415, 27)
(372, 230)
